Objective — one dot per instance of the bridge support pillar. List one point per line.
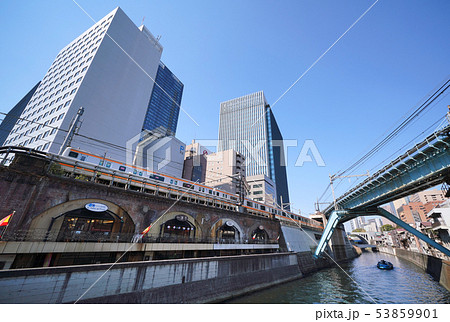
(340, 216)
(333, 221)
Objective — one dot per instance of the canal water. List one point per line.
(362, 282)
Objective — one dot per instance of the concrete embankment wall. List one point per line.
(170, 281)
(436, 267)
(308, 264)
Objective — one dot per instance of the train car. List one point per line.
(159, 178)
(183, 185)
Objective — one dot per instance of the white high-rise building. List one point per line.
(109, 71)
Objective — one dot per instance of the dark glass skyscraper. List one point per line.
(248, 126)
(164, 106)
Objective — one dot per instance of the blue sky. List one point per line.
(371, 79)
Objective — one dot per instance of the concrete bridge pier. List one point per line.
(338, 217)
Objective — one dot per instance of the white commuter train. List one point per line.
(184, 185)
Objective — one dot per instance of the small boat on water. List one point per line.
(382, 264)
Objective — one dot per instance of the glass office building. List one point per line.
(164, 105)
(248, 126)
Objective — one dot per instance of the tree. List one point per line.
(387, 227)
(359, 230)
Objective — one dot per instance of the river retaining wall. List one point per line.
(436, 267)
(170, 281)
(200, 280)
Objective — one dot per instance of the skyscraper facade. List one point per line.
(13, 115)
(164, 106)
(248, 126)
(109, 71)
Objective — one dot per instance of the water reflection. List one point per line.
(365, 283)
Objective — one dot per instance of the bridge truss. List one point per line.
(424, 166)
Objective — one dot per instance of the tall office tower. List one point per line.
(164, 106)
(248, 126)
(13, 115)
(109, 71)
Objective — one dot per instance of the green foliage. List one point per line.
(56, 169)
(82, 177)
(387, 227)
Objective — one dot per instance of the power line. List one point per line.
(394, 133)
(440, 119)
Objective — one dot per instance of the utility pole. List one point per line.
(72, 130)
(333, 177)
(317, 204)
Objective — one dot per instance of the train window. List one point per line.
(101, 162)
(73, 154)
(83, 158)
(122, 168)
(250, 204)
(156, 177)
(210, 191)
(171, 181)
(140, 173)
(108, 164)
(263, 207)
(134, 171)
(175, 182)
(188, 185)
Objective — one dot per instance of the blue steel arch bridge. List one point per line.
(425, 165)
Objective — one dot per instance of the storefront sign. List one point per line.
(96, 207)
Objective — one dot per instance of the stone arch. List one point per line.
(219, 231)
(175, 227)
(48, 224)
